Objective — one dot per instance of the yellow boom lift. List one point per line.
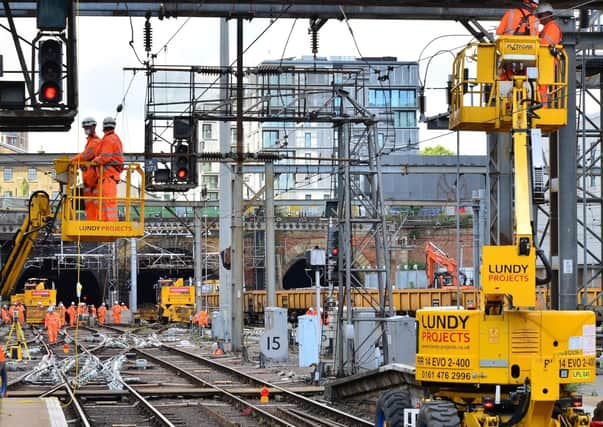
(74, 227)
(39, 217)
(507, 363)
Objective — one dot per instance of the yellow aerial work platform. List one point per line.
(482, 86)
(130, 204)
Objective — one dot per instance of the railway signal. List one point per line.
(50, 59)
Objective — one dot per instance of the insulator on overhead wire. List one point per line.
(148, 36)
(314, 41)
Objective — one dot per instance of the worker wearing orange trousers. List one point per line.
(3, 376)
(21, 310)
(11, 312)
(550, 35)
(116, 310)
(111, 158)
(102, 313)
(60, 310)
(89, 171)
(5, 316)
(202, 320)
(72, 314)
(51, 322)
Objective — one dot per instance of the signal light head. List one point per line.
(182, 173)
(50, 93)
(335, 251)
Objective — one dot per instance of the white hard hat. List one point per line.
(544, 8)
(108, 122)
(88, 121)
(50, 309)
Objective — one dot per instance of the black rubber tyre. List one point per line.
(439, 413)
(390, 407)
(598, 412)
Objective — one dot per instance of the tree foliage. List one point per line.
(438, 150)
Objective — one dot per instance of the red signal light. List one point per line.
(182, 173)
(50, 92)
(335, 251)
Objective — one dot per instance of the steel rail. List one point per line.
(72, 399)
(231, 397)
(155, 413)
(345, 418)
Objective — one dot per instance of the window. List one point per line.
(32, 174)
(405, 119)
(55, 195)
(392, 98)
(8, 194)
(380, 141)
(233, 136)
(308, 155)
(308, 197)
(285, 181)
(211, 181)
(8, 174)
(307, 140)
(269, 138)
(207, 131)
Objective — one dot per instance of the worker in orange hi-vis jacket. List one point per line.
(21, 311)
(51, 322)
(3, 376)
(111, 158)
(71, 311)
(202, 319)
(11, 311)
(116, 310)
(519, 21)
(60, 310)
(5, 315)
(102, 313)
(89, 171)
(550, 35)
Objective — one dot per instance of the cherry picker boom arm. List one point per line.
(39, 215)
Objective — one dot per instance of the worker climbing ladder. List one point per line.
(16, 344)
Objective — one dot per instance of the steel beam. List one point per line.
(400, 9)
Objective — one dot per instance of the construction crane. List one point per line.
(434, 256)
(506, 363)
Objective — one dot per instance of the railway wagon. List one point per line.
(297, 301)
(406, 301)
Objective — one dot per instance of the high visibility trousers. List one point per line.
(108, 201)
(91, 203)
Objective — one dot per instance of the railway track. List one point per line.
(291, 409)
(131, 409)
(159, 386)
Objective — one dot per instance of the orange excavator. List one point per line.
(441, 279)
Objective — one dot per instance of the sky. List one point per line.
(104, 52)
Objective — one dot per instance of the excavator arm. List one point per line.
(434, 255)
(39, 216)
